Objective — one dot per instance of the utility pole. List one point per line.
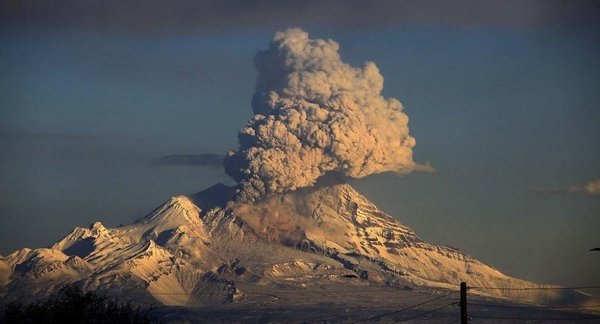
(464, 318)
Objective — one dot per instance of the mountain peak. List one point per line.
(184, 202)
(97, 229)
(178, 210)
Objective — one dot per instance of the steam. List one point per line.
(315, 114)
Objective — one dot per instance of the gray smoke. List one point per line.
(315, 114)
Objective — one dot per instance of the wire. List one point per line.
(527, 306)
(427, 312)
(535, 288)
(304, 292)
(370, 318)
(415, 289)
(320, 292)
(538, 318)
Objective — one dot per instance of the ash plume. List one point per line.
(315, 114)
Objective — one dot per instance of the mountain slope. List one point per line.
(355, 230)
(181, 254)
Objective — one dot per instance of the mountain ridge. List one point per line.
(199, 250)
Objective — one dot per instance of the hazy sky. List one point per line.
(502, 98)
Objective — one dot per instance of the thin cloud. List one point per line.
(204, 159)
(590, 188)
(214, 16)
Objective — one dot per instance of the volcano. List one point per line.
(207, 250)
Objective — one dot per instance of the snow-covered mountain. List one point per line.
(206, 249)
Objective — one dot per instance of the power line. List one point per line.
(393, 291)
(535, 288)
(528, 306)
(348, 291)
(260, 293)
(370, 318)
(463, 288)
(415, 289)
(427, 312)
(537, 318)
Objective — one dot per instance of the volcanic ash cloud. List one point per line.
(315, 114)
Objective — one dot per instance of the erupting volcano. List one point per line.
(291, 224)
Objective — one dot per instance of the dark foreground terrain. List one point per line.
(369, 304)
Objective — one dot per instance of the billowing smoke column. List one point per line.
(315, 114)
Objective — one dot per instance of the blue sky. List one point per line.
(498, 109)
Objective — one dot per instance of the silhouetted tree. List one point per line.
(72, 305)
